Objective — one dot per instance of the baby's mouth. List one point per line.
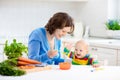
(78, 55)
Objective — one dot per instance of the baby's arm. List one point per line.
(68, 53)
(95, 63)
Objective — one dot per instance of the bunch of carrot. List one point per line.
(26, 61)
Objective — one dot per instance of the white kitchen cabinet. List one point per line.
(118, 58)
(105, 55)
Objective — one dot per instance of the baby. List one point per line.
(80, 55)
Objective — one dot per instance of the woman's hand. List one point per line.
(52, 53)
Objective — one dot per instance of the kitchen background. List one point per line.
(19, 17)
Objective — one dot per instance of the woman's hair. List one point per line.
(59, 21)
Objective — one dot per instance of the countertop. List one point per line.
(109, 43)
(101, 42)
(77, 72)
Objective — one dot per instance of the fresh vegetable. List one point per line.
(14, 50)
(9, 68)
(12, 67)
(20, 63)
(27, 67)
(26, 60)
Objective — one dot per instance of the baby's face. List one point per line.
(80, 50)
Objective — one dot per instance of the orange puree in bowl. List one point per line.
(64, 65)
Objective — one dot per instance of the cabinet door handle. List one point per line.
(95, 49)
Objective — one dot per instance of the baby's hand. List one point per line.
(69, 46)
(96, 65)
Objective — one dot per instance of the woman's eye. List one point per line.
(63, 31)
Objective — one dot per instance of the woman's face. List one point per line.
(61, 32)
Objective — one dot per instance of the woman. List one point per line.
(44, 43)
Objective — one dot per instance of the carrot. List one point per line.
(27, 67)
(19, 63)
(30, 61)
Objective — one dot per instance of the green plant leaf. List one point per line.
(113, 25)
(14, 50)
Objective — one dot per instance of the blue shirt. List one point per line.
(38, 47)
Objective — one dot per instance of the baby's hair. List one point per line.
(84, 42)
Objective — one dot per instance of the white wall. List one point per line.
(112, 9)
(118, 9)
(94, 14)
(20, 17)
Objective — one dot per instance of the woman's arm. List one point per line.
(34, 52)
(36, 48)
(59, 59)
